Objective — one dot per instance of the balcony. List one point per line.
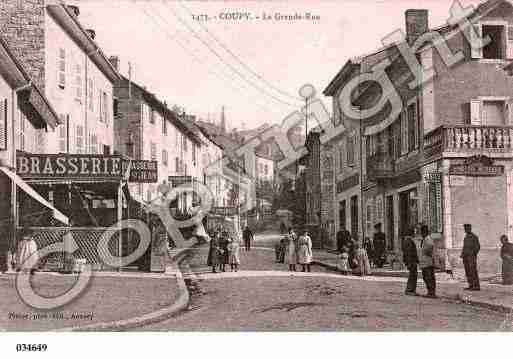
(467, 139)
(380, 166)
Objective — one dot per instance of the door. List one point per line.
(390, 221)
(354, 215)
(342, 215)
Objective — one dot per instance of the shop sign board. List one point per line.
(477, 166)
(84, 166)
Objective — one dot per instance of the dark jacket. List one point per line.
(379, 242)
(410, 255)
(247, 234)
(471, 245)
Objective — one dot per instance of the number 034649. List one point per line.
(31, 347)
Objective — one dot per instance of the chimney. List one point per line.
(114, 61)
(416, 24)
(91, 33)
(74, 9)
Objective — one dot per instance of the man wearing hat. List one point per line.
(469, 253)
(379, 243)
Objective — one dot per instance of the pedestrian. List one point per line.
(27, 257)
(291, 250)
(469, 253)
(367, 244)
(362, 261)
(379, 245)
(411, 245)
(280, 249)
(213, 252)
(304, 251)
(507, 260)
(233, 252)
(247, 235)
(426, 261)
(223, 251)
(343, 261)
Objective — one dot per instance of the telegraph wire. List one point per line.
(237, 58)
(234, 69)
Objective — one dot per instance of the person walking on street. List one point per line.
(507, 260)
(410, 248)
(247, 235)
(379, 244)
(304, 250)
(469, 253)
(343, 236)
(362, 259)
(291, 250)
(213, 252)
(426, 262)
(223, 253)
(367, 245)
(233, 253)
(343, 262)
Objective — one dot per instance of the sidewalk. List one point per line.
(492, 295)
(108, 298)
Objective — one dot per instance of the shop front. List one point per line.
(91, 192)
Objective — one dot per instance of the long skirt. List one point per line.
(507, 271)
(291, 254)
(26, 256)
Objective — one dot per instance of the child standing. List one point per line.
(343, 261)
(233, 254)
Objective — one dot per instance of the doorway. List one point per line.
(354, 216)
(408, 211)
(390, 229)
(342, 215)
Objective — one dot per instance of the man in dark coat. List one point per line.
(469, 253)
(343, 236)
(379, 244)
(247, 235)
(411, 260)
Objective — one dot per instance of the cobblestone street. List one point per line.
(264, 296)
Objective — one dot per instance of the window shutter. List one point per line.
(509, 44)
(476, 45)
(404, 134)
(3, 125)
(475, 112)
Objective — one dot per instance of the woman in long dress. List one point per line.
(26, 253)
(305, 251)
(362, 260)
(233, 250)
(213, 253)
(507, 261)
(291, 250)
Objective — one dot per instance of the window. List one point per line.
(185, 168)
(152, 116)
(341, 158)
(164, 125)
(404, 134)
(3, 125)
(100, 105)
(491, 112)
(93, 145)
(21, 144)
(79, 138)
(63, 135)
(105, 108)
(412, 127)
(369, 217)
(398, 137)
(354, 215)
(194, 154)
(390, 141)
(350, 150)
(78, 82)
(495, 49)
(153, 151)
(184, 139)
(90, 94)
(164, 158)
(61, 66)
(266, 169)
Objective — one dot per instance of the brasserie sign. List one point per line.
(97, 167)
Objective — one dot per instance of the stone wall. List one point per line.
(22, 25)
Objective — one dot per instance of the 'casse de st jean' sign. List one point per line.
(98, 167)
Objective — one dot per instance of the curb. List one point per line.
(494, 307)
(179, 305)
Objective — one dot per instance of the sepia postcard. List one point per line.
(255, 166)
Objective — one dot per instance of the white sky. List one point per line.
(285, 54)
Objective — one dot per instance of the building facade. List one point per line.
(445, 159)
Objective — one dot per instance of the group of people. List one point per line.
(294, 250)
(224, 249)
(26, 258)
(375, 249)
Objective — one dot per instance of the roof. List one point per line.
(19, 80)
(70, 24)
(163, 109)
(366, 62)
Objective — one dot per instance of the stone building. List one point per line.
(445, 158)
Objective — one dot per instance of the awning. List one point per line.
(32, 193)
